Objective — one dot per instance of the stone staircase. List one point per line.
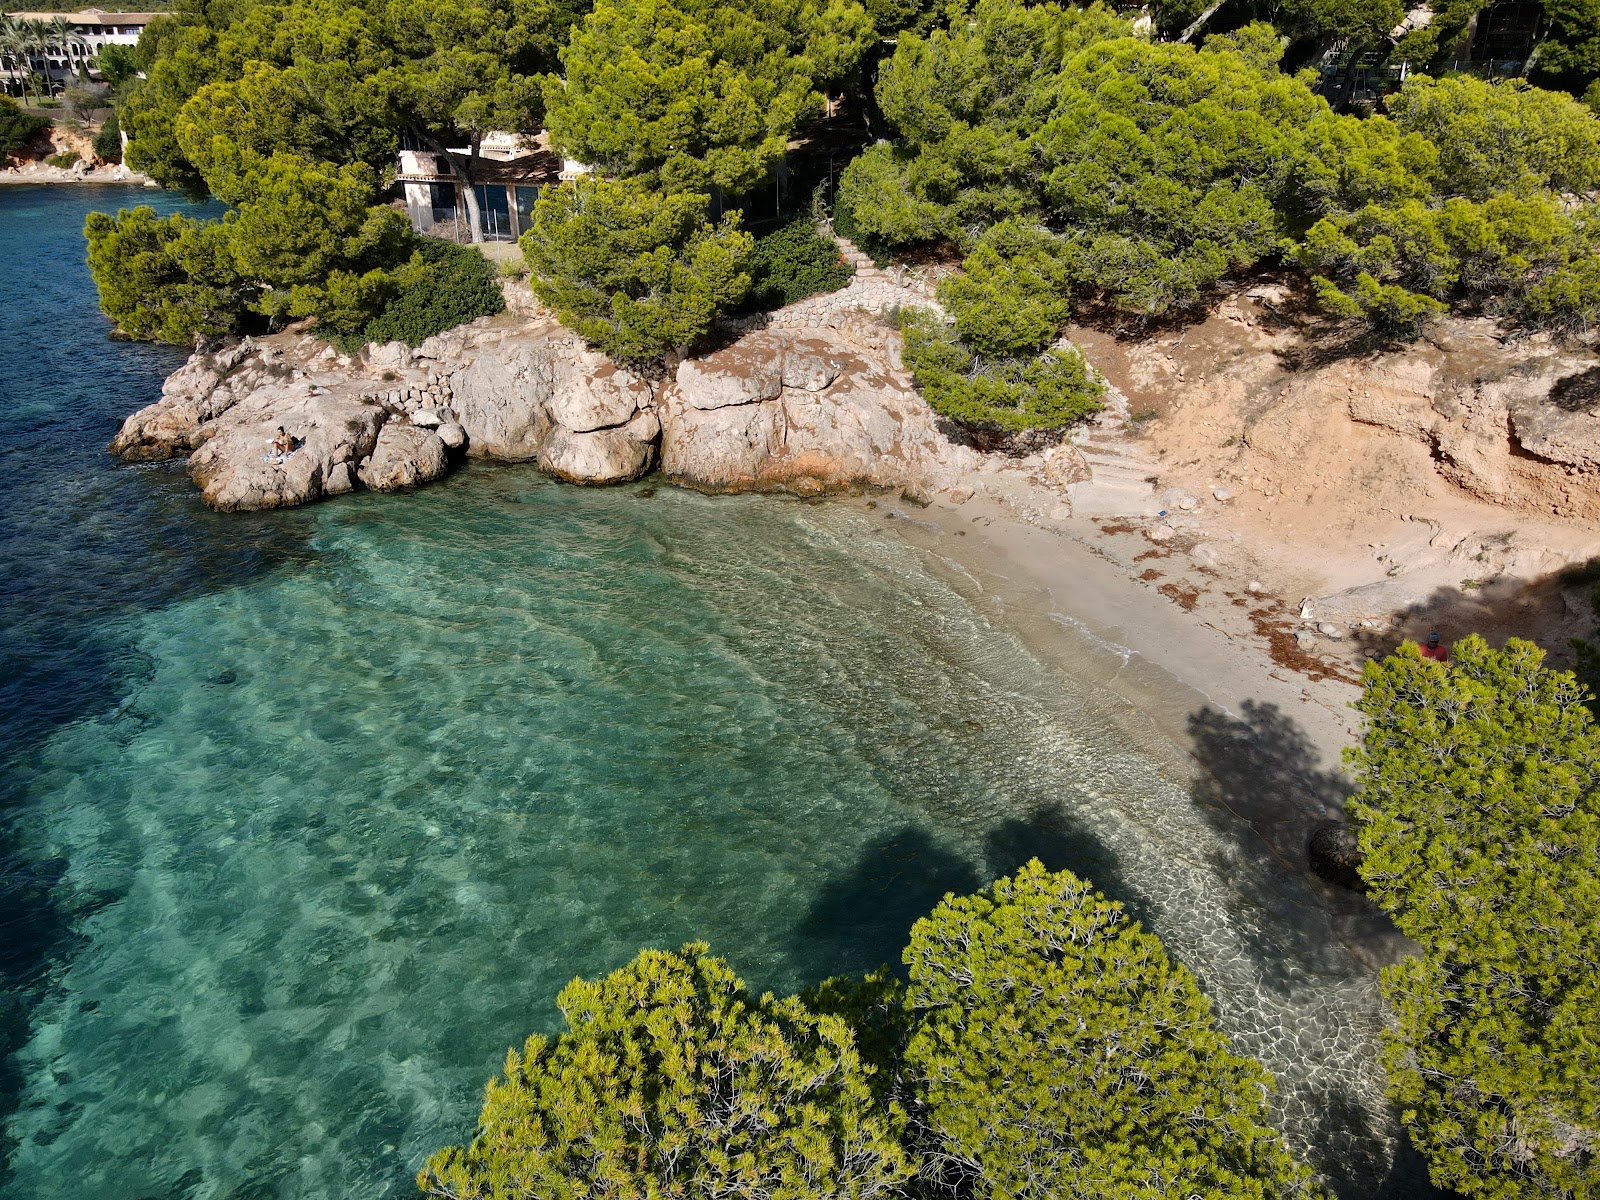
(1120, 478)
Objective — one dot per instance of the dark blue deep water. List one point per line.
(306, 817)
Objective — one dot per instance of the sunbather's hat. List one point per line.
(1433, 638)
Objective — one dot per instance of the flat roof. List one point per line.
(91, 16)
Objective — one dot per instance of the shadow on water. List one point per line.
(1264, 787)
(864, 917)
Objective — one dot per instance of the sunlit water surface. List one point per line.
(308, 816)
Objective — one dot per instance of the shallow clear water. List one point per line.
(315, 813)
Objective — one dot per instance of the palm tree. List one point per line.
(13, 53)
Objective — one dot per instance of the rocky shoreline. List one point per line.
(807, 410)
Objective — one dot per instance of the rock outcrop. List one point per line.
(404, 456)
(808, 411)
(535, 393)
(224, 409)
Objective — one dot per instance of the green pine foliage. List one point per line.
(999, 395)
(442, 286)
(108, 142)
(1492, 225)
(792, 262)
(1479, 816)
(1057, 1053)
(673, 1080)
(291, 111)
(310, 243)
(633, 271)
(17, 129)
(1160, 170)
(165, 279)
(1044, 1049)
(702, 93)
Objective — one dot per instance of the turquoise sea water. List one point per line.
(308, 816)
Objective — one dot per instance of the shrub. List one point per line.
(673, 1080)
(108, 142)
(442, 286)
(67, 158)
(792, 262)
(1006, 395)
(17, 128)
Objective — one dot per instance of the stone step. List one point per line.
(1134, 478)
(1116, 458)
(1106, 446)
(1096, 498)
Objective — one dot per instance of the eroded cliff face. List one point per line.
(810, 411)
(1246, 401)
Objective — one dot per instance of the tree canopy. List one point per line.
(1479, 818)
(1159, 170)
(634, 271)
(673, 1080)
(698, 94)
(1059, 1054)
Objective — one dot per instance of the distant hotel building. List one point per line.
(89, 31)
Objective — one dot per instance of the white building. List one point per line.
(90, 31)
(510, 172)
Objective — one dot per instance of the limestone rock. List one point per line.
(595, 393)
(866, 428)
(613, 455)
(502, 398)
(747, 372)
(204, 388)
(809, 364)
(403, 457)
(1063, 465)
(425, 418)
(1560, 434)
(452, 435)
(339, 480)
(236, 469)
(388, 356)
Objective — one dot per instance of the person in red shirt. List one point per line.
(1435, 649)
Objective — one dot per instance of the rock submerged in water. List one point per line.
(774, 411)
(1335, 857)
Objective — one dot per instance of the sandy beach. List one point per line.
(1199, 683)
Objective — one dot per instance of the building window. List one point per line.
(525, 198)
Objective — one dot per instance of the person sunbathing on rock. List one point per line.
(282, 447)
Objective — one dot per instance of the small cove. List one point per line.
(307, 816)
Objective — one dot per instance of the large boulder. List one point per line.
(747, 372)
(850, 419)
(592, 392)
(502, 399)
(719, 447)
(404, 457)
(613, 455)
